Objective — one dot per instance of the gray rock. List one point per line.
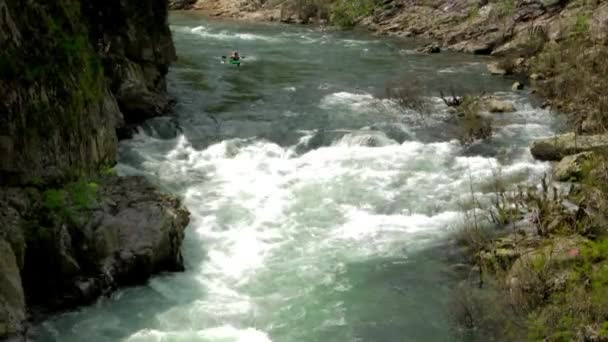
(12, 299)
(498, 106)
(517, 86)
(181, 4)
(559, 146)
(129, 233)
(494, 69)
(570, 168)
(431, 48)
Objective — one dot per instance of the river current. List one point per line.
(320, 210)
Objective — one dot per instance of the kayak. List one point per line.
(231, 61)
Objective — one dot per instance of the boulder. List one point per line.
(517, 86)
(498, 106)
(131, 232)
(559, 146)
(535, 77)
(494, 69)
(181, 4)
(431, 48)
(571, 168)
(12, 299)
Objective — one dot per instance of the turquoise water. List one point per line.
(320, 210)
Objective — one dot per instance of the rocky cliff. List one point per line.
(72, 73)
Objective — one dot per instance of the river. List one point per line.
(320, 212)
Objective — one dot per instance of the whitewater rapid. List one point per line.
(319, 209)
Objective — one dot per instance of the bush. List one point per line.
(472, 126)
(66, 202)
(346, 13)
(408, 95)
(575, 73)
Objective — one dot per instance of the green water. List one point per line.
(320, 211)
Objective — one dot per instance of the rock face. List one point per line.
(560, 146)
(42, 72)
(72, 72)
(135, 46)
(69, 70)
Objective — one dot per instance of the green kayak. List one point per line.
(236, 62)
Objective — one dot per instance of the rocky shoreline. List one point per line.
(74, 75)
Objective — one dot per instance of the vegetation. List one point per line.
(343, 13)
(574, 73)
(550, 281)
(72, 198)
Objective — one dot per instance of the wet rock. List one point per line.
(559, 146)
(181, 4)
(570, 168)
(12, 299)
(535, 77)
(430, 49)
(494, 69)
(498, 106)
(517, 86)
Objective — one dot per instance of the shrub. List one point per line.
(345, 13)
(408, 95)
(575, 71)
(472, 126)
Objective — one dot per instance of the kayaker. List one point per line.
(235, 56)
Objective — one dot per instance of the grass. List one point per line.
(64, 203)
(343, 13)
(575, 71)
(550, 284)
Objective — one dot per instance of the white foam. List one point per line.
(225, 333)
(262, 211)
(227, 35)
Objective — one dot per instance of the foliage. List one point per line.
(581, 27)
(505, 8)
(574, 71)
(74, 197)
(471, 124)
(408, 94)
(345, 13)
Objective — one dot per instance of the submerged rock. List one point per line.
(431, 48)
(494, 69)
(559, 146)
(498, 106)
(517, 86)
